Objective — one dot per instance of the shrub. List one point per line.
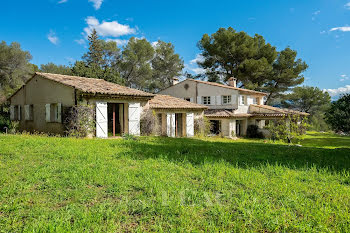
(295, 130)
(80, 121)
(149, 124)
(4, 117)
(253, 132)
(202, 126)
(338, 116)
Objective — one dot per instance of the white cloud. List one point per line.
(80, 41)
(62, 1)
(199, 58)
(315, 14)
(343, 75)
(119, 42)
(347, 6)
(338, 91)
(342, 29)
(96, 3)
(105, 28)
(52, 37)
(344, 78)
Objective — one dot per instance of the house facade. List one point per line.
(230, 109)
(40, 105)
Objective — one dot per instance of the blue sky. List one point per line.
(54, 30)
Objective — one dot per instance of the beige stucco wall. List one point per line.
(38, 92)
(201, 89)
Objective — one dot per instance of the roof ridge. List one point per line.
(226, 86)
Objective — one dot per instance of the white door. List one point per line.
(101, 120)
(190, 124)
(134, 118)
(170, 124)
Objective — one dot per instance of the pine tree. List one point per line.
(94, 57)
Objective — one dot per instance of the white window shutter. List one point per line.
(59, 112)
(134, 118)
(12, 112)
(19, 113)
(26, 112)
(234, 99)
(190, 124)
(101, 120)
(170, 124)
(218, 100)
(48, 112)
(199, 99)
(212, 100)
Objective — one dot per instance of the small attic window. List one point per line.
(186, 86)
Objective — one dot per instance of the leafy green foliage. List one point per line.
(288, 129)
(166, 65)
(15, 68)
(311, 100)
(256, 64)
(55, 69)
(338, 116)
(79, 121)
(165, 184)
(135, 66)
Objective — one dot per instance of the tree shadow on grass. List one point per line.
(242, 154)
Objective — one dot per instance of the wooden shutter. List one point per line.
(19, 113)
(218, 100)
(190, 124)
(199, 99)
(170, 124)
(48, 112)
(26, 113)
(12, 113)
(212, 100)
(134, 118)
(101, 120)
(233, 99)
(59, 113)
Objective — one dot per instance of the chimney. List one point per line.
(232, 82)
(175, 81)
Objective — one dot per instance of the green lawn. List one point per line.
(163, 184)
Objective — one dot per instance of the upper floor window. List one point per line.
(242, 100)
(255, 100)
(206, 100)
(226, 99)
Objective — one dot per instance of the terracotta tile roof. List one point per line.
(170, 102)
(94, 86)
(278, 110)
(229, 87)
(224, 113)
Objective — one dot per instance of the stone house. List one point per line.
(230, 109)
(39, 105)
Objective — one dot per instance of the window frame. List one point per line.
(242, 100)
(206, 100)
(229, 97)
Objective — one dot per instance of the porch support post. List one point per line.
(113, 120)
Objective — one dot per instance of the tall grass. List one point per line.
(52, 184)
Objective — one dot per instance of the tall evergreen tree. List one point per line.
(166, 65)
(94, 57)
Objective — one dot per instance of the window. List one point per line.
(256, 100)
(53, 112)
(15, 112)
(226, 99)
(188, 99)
(242, 99)
(28, 112)
(206, 100)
